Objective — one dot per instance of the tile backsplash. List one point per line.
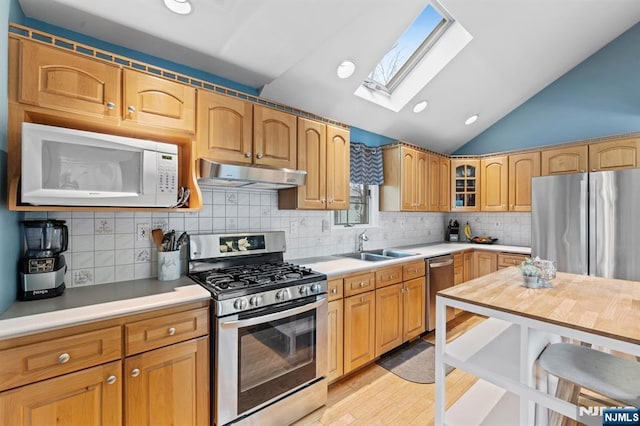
(106, 246)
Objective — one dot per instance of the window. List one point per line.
(414, 43)
(363, 207)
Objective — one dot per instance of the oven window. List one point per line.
(275, 357)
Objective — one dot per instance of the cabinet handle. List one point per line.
(334, 291)
(135, 372)
(248, 154)
(111, 380)
(323, 201)
(331, 201)
(171, 331)
(63, 358)
(361, 284)
(111, 105)
(259, 156)
(131, 109)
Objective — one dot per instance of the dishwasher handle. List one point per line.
(440, 264)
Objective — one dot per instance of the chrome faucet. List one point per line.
(361, 239)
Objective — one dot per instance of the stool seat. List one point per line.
(606, 374)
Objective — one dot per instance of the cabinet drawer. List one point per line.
(153, 333)
(357, 284)
(37, 361)
(413, 270)
(335, 289)
(506, 259)
(388, 276)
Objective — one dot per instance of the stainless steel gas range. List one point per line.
(269, 332)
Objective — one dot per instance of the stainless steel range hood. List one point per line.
(231, 175)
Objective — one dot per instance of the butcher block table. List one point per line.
(501, 351)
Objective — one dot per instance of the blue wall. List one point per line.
(368, 138)
(9, 221)
(599, 97)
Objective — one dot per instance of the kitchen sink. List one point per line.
(378, 255)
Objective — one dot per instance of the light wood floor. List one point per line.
(374, 396)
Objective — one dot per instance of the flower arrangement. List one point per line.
(529, 269)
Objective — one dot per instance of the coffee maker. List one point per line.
(42, 266)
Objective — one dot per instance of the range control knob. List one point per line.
(240, 304)
(316, 288)
(255, 300)
(282, 295)
(303, 290)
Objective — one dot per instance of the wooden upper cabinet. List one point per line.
(614, 155)
(494, 184)
(572, 159)
(274, 137)
(465, 181)
(445, 184)
(155, 101)
(338, 163)
(433, 183)
(312, 157)
(53, 78)
(522, 168)
(225, 128)
(409, 169)
(419, 183)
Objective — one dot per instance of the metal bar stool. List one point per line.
(583, 367)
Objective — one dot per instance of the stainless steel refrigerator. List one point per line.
(588, 222)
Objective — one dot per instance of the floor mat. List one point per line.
(413, 362)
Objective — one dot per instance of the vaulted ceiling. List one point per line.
(290, 49)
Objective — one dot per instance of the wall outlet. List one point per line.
(497, 224)
(143, 231)
(293, 227)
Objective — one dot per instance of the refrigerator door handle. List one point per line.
(594, 180)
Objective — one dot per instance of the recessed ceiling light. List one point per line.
(420, 106)
(181, 7)
(346, 69)
(471, 119)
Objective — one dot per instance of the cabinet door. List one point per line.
(274, 138)
(614, 155)
(465, 178)
(414, 321)
(409, 171)
(420, 184)
(458, 268)
(445, 184)
(312, 157)
(494, 184)
(485, 262)
(54, 78)
(572, 159)
(335, 367)
(84, 398)
(433, 183)
(522, 168)
(359, 330)
(389, 318)
(154, 101)
(468, 266)
(338, 161)
(225, 126)
(169, 386)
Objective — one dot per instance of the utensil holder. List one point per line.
(169, 265)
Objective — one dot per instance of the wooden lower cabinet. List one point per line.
(484, 262)
(359, 330)
(389, 318)
(163, 386)
(85, 398)
(414, 308)
(468, 266)
(335, 363)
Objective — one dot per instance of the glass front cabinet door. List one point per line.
(465, 179)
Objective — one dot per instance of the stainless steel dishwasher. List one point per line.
(439, 277)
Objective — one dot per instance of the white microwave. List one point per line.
(67, 167)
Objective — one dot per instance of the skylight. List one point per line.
(416, 40)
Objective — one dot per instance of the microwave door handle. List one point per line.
(273, 317)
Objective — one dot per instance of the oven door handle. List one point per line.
(273, 317)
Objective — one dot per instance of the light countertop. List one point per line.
(336, 265)
(80, 305)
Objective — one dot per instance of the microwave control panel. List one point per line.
(167, 173)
